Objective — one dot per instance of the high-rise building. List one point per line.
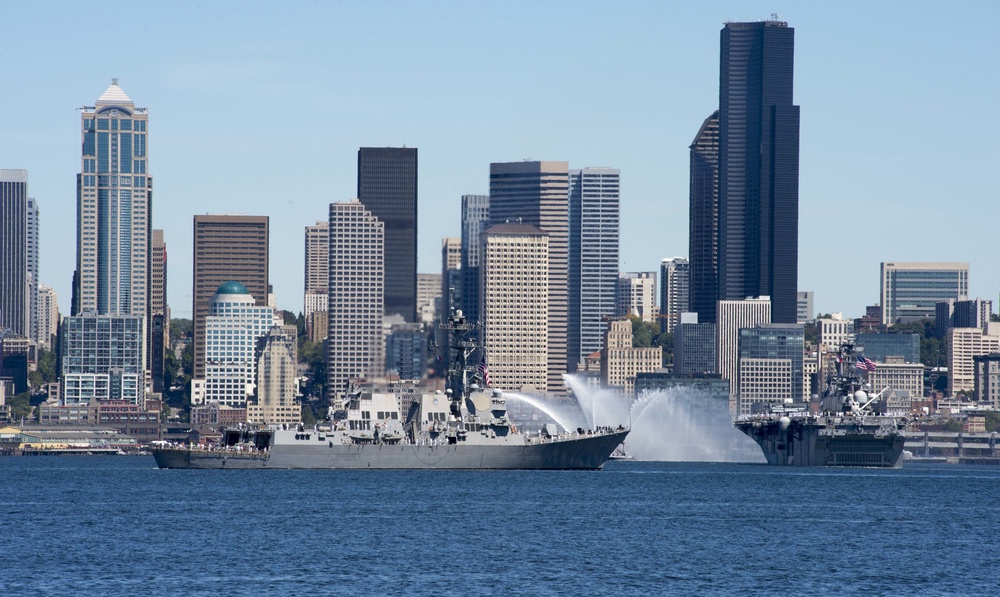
(675, 291)
(317, 274)
(731, 317)
(276, 400)
(703, 232)
(406, 351)
(964, 344)
(770, 365)
(159, 315)
(911, 291)
(636, 296)
(428, 297)
(355, 340)
(158, 274)
(475, 219)
(593, 257)
(758, 166)
(537, 193)
(987, 380)
(233, 327)
(805, 306)
(48, 316)
(387, 187)
(32, 253)
(694, 346)
(969, 313)
(514, 299)
(451, 276)
(114, 207)
(103, 358)
(226, 247)
(14, 302)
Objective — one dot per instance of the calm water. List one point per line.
(119, 526)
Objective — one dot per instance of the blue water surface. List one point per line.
(120, 526)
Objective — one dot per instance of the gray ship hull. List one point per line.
(805, 443)
(585, 452)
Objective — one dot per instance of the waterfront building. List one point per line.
(514, 301)
(276, 401)
(475, 220)
(911, 291)
(451, 277)
(114, 207)
(14, 299)
(428, 297)
(834, 331)
(234, 325)
(758, 166)
(731, 317)
(636, 296)
(895, 374)
(593, 257)
(621, 362)
(675, 278)
(987, 380)
(880, 347)
(537, 193)
(770, 366)
(805, 306)
(406, 351)
(703, 208)
(355, 341)
(694, 346)
(387, 187)
(226, 247)
(964, 344)
(48, 317)
(103, 357)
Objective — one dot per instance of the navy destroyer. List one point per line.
(466, 427)
(853, 428)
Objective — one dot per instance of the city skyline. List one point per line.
(869, 79)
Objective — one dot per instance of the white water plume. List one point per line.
(679, 424)
(564, 413)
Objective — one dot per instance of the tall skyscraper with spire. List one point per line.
(114, 207)
(758, 166)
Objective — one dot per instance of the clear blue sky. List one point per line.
(260, 109)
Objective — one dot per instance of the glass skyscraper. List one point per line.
(758, 167)
(114, 205)
(14, 265)
(593, 258)
(387, 187)
(703, 220)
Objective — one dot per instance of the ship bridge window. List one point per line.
(395, 416)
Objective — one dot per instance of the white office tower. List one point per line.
(731, 317)
(232, 329)
(277, 391)
(514, 300)
(355, 340)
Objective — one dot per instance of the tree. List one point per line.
(20, 406)
(992, 421)
(181, 328)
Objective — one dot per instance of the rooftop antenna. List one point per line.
(114, 80)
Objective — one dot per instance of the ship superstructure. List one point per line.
(465, 427)
(851, 429)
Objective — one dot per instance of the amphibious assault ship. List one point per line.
(466, 427)
(853, 428)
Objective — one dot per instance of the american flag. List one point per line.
(484, 370)
(864, 363)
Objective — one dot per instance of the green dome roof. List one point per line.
(232, 287)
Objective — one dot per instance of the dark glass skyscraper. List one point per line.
(387, 186)
(703, 233)
(758, 166)
(14, 251)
